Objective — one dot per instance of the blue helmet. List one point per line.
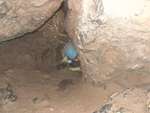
(70, 50)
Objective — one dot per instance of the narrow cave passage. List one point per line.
(31, 68)
(36, 77)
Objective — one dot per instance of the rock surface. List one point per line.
(18, 17)
(129, 101)
(112, 36)
(40, 49)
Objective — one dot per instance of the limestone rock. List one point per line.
(18, 17)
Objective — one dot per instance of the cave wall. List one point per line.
(112, 37)
(37, 50)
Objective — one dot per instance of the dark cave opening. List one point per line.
(41, 49)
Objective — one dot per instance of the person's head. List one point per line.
(70, 51)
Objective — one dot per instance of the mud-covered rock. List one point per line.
(111, 36)
(132, 100)
(18, 17)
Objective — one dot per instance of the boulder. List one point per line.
(18, 17)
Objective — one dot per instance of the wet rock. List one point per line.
(18, 17)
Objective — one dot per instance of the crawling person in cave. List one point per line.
(70, 58)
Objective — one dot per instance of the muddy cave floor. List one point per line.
(53, 91)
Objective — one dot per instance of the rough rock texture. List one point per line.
(129, 101)
(18, 17)
(38, 50)
(111, 36)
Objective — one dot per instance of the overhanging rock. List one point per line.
(18, 17)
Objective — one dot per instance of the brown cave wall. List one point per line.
(112, 37)
(40, 49)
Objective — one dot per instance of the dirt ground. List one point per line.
(60, 91)
(28, 64)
